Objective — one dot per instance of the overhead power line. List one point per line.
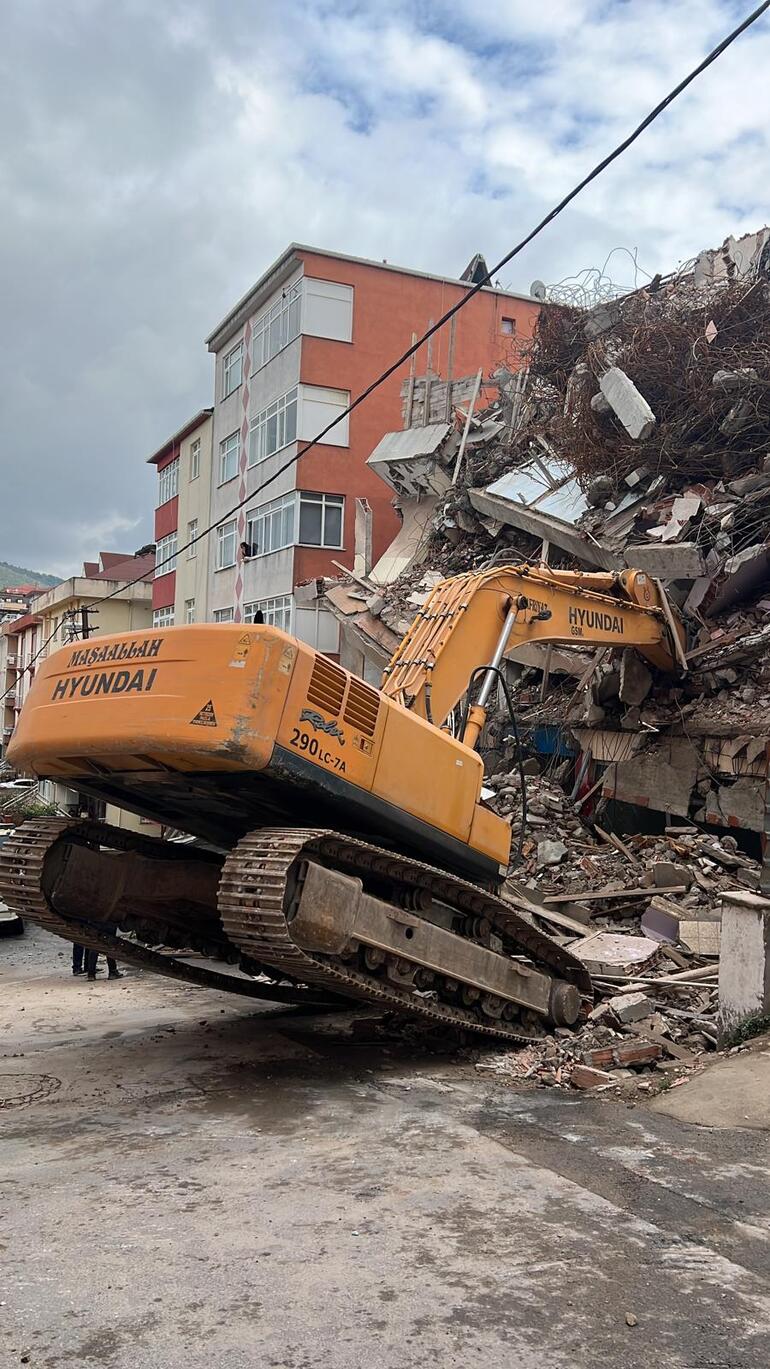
(472, 290)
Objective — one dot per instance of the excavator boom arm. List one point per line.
(460, 626)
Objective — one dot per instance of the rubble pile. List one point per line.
(634, 436)
(643, 912)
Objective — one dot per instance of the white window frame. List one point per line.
(232, 370)
(165, 555)
(224, 532)
(163, 617)
(223, 615)
(325, 501)
(229, 446)
(276, 612)
(277, 326)
(275, 523)
(275, 427)
(195, 459)
(168, 482)
(320, 405)
(189, 610)
(192, 531)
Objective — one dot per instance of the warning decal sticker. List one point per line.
(206, 718)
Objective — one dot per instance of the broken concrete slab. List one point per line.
(740, 804)
(667, 875)
(630, 1007)
(627, 403)
(744, 574)
(659, 924)
(635, 679)
(672, 561)
(547, 527)
(660, 777)
(611, 953)
(416, 460)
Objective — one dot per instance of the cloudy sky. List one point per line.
(157, 157)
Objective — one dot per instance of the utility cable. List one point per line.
(30, 663)
(469, 295)
(480, 285)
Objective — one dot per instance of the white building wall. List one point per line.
(192, 571)
(326, 311)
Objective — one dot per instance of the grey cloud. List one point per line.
(156, 158)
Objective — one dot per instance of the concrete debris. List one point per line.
(551, 852)
(627, 403)
(635, 680)
(630, 1007)
(635, 436)
(608, 953)
(583, 1077)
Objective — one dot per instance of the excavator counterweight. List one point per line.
(344, 848)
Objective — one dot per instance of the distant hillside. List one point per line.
(17, 575)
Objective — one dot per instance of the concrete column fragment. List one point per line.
(744, 961)
(627, 403)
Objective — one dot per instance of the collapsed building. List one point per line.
(635, 434)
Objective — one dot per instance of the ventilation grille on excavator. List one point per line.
(327, 686)
(361, 708)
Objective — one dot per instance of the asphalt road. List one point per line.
(186, 1183)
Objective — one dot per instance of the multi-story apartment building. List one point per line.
(57, 619)
(180, 589)
(312, 333)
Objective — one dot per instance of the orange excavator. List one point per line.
(344, 848)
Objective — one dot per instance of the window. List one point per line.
(275, 612)
(226, 535)
(271, 527)
(318, 628)
(274, 428)
(327, 309)
(163, 617)
(319, 407)
(320, 520)
(508, 325)
(168, 482)
(195, 459)
(192, 531)
(232, 370)
(278, 326)
(189, 610)
(223, 615)
(165, 555)
(229, 452)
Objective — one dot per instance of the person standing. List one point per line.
(78, 956)
(112, 966)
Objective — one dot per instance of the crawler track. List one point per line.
(22, 861)
(251, 905)
(251, 902)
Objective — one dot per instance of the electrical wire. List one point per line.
(472, 290)
(11, 688)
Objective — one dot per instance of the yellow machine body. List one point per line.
(216, 728)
